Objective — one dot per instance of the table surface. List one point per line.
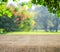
(30, 40)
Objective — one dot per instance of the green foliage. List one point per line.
(4, 0)
(53, 5)
(7, 23)
(29, 4)
(4, 11)
(14, 19)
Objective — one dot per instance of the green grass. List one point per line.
(40, 32)
(30, 33)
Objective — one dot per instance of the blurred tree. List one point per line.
(56, 23)
(53, 5)
(15, 19)
(41, 20)
(47, 21)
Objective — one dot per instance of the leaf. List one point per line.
(29, 4)
(23, 3)
(0, 14)
(4, 0)
(21, 25)
(0, 11)
(7, 12)
(9, 15)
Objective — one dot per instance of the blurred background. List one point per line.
(24, 16)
